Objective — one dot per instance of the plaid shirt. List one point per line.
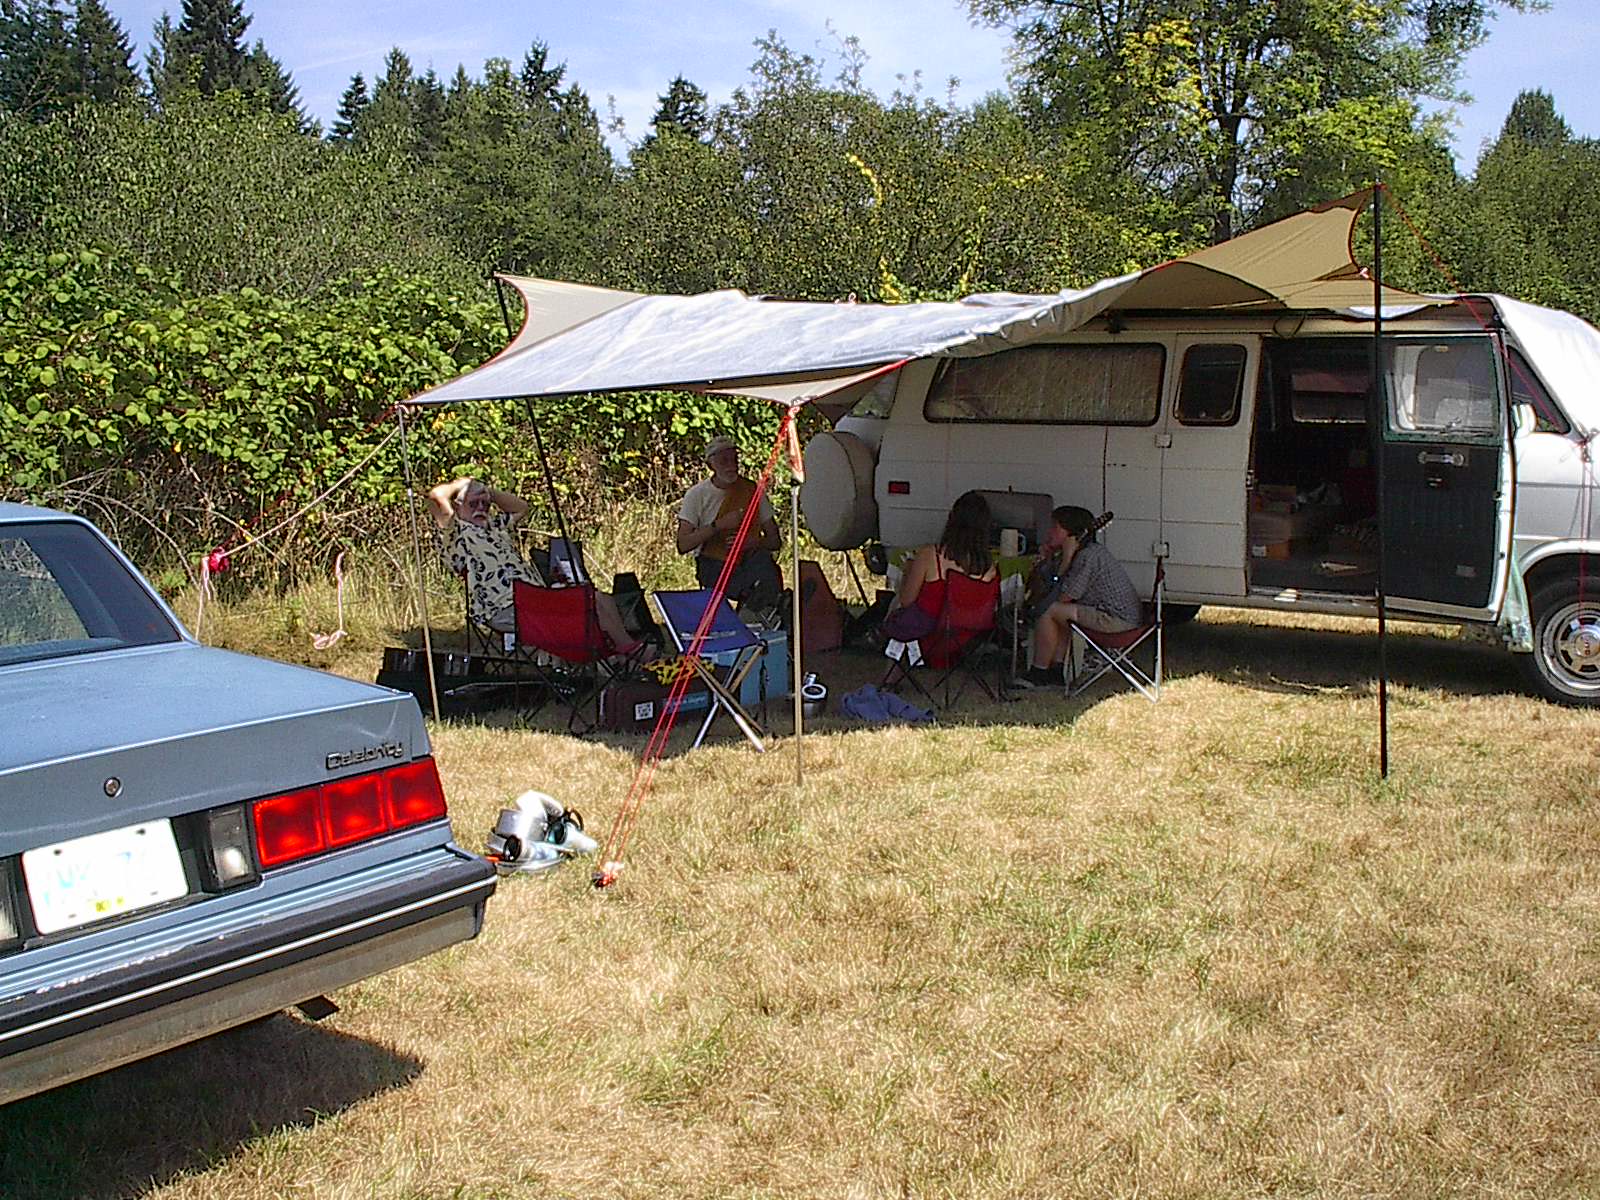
(1097, 579)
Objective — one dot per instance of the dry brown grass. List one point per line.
(1193, 949)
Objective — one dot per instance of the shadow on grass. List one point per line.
(1281, 658)
(1266, 655)
(134, 1129)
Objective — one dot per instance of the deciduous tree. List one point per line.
(1223, 104)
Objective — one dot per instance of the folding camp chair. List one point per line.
(497, 652)
(1115, 651)
(681, 613)
(967, 628)
(582, 661)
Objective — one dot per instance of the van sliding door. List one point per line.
(1206, 439)
(1443, 438)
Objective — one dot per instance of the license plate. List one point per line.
(103, 875)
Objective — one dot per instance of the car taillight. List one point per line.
(289, 826)
(415, 794)
(355, 808)
(342, 812)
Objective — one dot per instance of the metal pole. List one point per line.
(416, 556)
(796, 684)
(550, 487)
(1380, 406)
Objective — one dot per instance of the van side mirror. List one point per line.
(1527, 420)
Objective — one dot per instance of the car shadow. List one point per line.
(131, 1130)
(1286, 659)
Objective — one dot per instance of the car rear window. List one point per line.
(63, 592)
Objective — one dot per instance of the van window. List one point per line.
(1213, 381)
(1526, 389)
(1446, 387)
(1052, 385)
(879, 400)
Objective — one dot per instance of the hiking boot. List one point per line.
(1039, 677)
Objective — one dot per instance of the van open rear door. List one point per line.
(1445, 518)
(1206, 438)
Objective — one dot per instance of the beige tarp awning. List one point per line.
(578, 339)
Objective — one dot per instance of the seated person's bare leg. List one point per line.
(1051, 635)
(610, 618)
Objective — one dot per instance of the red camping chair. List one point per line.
(562, 623)
(1115, 651)
(967, 626)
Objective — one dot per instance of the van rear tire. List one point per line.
(1565, 663)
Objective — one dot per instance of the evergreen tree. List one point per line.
(211, 36)
(392, 113)
(352, 107)
(541, 83)
(683, 109)
(103, 55)
(265, 79)
(165, 65)
(428, 108)
(37, 63)
(1534, 121)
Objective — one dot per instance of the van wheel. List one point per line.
(1179, 614)
(1565, 663)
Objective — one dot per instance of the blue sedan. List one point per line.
(191, 838)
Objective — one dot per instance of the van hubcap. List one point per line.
(1572, 645)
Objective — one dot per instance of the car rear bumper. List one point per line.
(77, 1027)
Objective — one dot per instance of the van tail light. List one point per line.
(899, 487)
(343, 812)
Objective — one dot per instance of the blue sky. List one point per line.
(628, 50)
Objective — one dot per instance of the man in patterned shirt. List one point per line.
(1094, 592)
(479, 546)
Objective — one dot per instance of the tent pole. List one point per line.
(416, 557)
(550, 485)
(1380, 404)
(796, 684)
(538, 439)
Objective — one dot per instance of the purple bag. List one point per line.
(909, 624)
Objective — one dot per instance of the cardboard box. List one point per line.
(1300, 525)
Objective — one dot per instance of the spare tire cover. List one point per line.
(836, 497)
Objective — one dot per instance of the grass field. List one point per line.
(1052, 949)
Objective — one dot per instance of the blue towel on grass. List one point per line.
(871, 703)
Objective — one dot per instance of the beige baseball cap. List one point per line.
(717, 445)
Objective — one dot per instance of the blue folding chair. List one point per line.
(680, 615)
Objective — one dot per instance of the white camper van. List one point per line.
(1239, 449)
(1221, 405)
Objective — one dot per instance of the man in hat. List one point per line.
(709, 520)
